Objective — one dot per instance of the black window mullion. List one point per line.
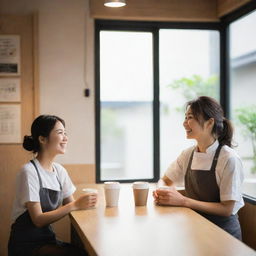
(156, 106)
(224, 70)
(97, 102)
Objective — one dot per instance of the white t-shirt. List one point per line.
(27, 185)
(229, 171)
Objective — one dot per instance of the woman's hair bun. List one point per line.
(28, 143)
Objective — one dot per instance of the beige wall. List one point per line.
(65, 65)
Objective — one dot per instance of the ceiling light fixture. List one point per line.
(114, 3)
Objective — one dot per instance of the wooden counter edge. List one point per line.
(87, 245)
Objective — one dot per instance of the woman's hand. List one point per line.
(41, 219)
(168, 197)
(173, 197)
(86, 201)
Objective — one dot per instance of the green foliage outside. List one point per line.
(196, 86)
(247, 118)
(193, 87)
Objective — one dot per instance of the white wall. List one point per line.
(66, 51)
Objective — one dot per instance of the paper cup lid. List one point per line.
(90, 190)
(111, 185)
(140, 185)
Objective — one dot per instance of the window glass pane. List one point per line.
(242, 93)
(189, 67)
(126, 100)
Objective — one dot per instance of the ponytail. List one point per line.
(204, 108)
(225, 137)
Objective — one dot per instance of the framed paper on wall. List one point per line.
(9, 55)
(9, 89)
(10, 123)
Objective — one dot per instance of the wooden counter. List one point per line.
(151, 230)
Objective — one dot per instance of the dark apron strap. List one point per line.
(39, 177)
(57, 176)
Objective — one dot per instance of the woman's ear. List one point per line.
(209, 123)
(41, 139)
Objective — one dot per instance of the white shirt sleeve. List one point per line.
(231, 180)
(177, 170)
(28, 185)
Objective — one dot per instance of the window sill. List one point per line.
(249, 191)
(249, 199)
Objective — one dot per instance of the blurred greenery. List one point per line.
(195, 86)
(247, 118)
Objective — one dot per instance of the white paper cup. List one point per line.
(111, 189)
(140, 192)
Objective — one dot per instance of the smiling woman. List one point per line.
(211, 170)
(44, 194)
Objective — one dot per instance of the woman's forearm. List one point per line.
(222, 208)
(41, 219)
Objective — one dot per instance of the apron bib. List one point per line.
(25, 236)
(202, 185)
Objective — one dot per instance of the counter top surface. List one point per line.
(150, 230)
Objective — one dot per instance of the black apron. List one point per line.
(201, 185)
(25, 236)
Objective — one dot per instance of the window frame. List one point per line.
(153, 27)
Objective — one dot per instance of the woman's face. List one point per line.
(56, 142)
(194, 129)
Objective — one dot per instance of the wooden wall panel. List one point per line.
(12, 156)
(158, 10)
(247, 217)
(81, 173)
(227, 6)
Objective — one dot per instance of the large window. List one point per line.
(242, 92)
(145, 75)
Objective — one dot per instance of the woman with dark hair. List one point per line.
(212, 171)
(44, 194)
